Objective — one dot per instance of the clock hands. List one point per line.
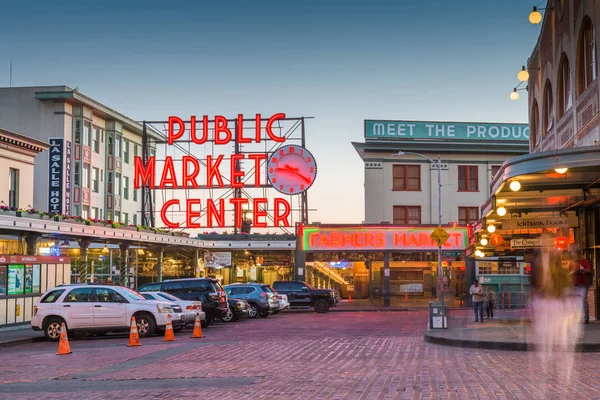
(289, 168)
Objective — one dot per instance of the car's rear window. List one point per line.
(197, 286)
(150, 287)
(52, 296)
(148, 296)
(168, 296)
(217, 287)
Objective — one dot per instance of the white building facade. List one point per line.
(89, 169)
(404, 189)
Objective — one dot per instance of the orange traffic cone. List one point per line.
(169, 334)
(405, 295)
(197, 328)
(134, 337)
(63, 345)
(349, 299)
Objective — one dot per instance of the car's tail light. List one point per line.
(223, 297)
(35, 310)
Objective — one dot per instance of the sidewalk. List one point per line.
(509, 330)
(397, 303)
(19, 334)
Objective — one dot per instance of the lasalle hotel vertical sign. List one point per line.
(59, 176)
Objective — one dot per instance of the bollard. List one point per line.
(509, 299)
(502, 299)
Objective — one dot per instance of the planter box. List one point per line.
(9, 213)
(128, 228)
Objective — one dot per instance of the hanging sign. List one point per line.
(532, 223)
(217, 259)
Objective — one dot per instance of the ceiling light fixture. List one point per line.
(501, 211)
(515, 186)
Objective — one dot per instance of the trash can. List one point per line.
(438, 317)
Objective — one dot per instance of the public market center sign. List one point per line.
(375, 129)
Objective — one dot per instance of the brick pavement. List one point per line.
(341, 356)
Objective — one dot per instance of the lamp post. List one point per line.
(438, 164)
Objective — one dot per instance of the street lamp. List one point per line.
(438, 164)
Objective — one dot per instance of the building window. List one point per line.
(77, 133)
(135, 219)
(407, 215)
(109, 215)
(118, 184)
(468, 178)
(468, 215)
(125, 219)
(96, 140)
(126, 187)
(495, 169)
(135, 194)
(117, 216)
(95, 175)
(135, 150)
(86, 176)
(406, 177)
(548, 110)
(85, 212)
(95, 213)
(13, 188)
(110, 144)
(564, 87)
(87, 131)
(76, 211)
(76, 174)
(126, 151)
(534, 124)
(109, 183)
(118, 146)
(587, 69)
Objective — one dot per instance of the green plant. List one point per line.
(114, 225)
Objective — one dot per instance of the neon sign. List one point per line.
(379, 238)
(215, 172)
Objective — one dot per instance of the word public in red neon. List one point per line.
(222, 129)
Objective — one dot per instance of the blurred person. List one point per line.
(581, 275)
(476, 292)
(490, 302)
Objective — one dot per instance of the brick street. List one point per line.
(354, 355)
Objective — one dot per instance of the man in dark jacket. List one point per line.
(581, 273)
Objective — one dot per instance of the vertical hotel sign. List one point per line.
(59, 152)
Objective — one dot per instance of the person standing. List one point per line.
(581, 274)
(490, 303)
(477, 297)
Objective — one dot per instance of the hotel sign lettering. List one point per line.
(445, 130)
(316, 238)
(561, 222)
(55, 175)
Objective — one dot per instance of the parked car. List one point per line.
(283, 301)
(301, 294)
(237, 308)
(259, 296)
(101, 309)
(208, 291)
(189, 308)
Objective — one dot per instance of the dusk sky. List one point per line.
(340, 62)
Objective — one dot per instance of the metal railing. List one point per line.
(510, 299)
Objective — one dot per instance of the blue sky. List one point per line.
(338, 61)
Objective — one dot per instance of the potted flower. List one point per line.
(129, 227)
(114, 225)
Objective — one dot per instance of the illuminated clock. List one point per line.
(291, 169)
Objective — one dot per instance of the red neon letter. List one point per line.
(172, 136)
(204, 137)
(238, 202)
(257, 212)
(235, 174)
(211, 211)
(189, 213)
(190, 176)
(270, 128)
(258, 127)
(221, 127)
(146, 175)
(240, 130)
(213, 170)
(257, 159)
(163, 213)
(169, 169)
(283, 217)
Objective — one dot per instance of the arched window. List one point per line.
(534, 124)
(563, 95)
(548, 109)
(587, 68)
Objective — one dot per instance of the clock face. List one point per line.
(291, 169)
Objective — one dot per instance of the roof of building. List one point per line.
(23, 141)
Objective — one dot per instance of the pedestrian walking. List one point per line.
(490, 303)
(581, 273)
(477, 297)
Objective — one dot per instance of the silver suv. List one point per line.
(101, 309)
(259, 296)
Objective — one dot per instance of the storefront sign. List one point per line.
(67, 178)
(55, 175)
(217, 260)
(315, 238)
(445, 130)
(9, 259)
(533, 242)
(559, 222)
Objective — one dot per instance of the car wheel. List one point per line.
(145, 324)
(209, 319)
(276, 312)
(253, 312)
(52, 328)
(228, 316)
(264, 314)
(321, 306)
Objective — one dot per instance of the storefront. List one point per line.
(23, 279)
(367, 261)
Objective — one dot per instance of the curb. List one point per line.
(310, 310)
(16, 342)
(490, 345)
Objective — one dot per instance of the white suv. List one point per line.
(101, 309)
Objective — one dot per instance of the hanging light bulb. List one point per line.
(105, 249)
(514, 95)
(501, 211)
(535, 17)
(491, 228)
(523, 75)
(515, 186)
(483, 241)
